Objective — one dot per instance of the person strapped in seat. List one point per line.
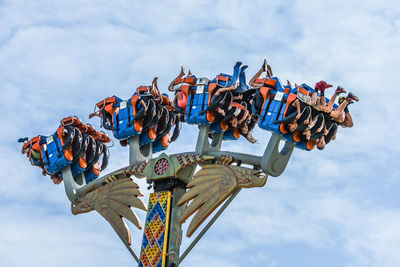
(182, 87)
(298, 113)
(330, 130)
(341, 114)
(228, 90)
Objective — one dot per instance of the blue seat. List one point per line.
(54, 162)
(91, 174)
(121, 118)
(196, 113)
(158, 146)
(271, 108)
(231, 134)
(147, 137)
(218, 126)
(77, 168)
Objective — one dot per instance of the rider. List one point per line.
(255, 81)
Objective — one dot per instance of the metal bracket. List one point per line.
(274, 161)
(203, 146)
(75, 188)
(134, 151)
(71, 186)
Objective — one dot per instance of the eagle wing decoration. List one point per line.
(114, 201)
(211, 186)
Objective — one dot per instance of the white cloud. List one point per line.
(337, 207)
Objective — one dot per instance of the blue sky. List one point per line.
(338, 207)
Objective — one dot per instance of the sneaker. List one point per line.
(269, 72)
(351, 96)
(264, 65)
(342, 98)
(244, 67)
(340, 90)
(237, 65)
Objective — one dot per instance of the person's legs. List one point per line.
(348, 120)
(342, 106)
(154, 86)
(331, 102)
(178, 78)
(242, 80)
(263, 68)
(304, 116)
(332, 133)
(235, 76)
(346, 101)
(253, 79)
(242, 87)
(318, 127)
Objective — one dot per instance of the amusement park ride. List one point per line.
(76, 152)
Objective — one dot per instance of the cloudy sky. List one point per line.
(338, 207)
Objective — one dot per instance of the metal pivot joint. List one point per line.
(274, 161)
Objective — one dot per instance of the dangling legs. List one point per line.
(242, 79)
(339, 113)
(338, 91)
(348, 120)
(178, 78)
(263, 68)
(235, 76)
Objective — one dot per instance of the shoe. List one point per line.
(270, 74)
(244, 67)
(342, 98)
(237, 65)
(264, 65)
(124, 142)
(351, 96)
(340, 90)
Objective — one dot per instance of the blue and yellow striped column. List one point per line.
(155, 237)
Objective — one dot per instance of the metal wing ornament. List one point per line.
(114, 201)
(211, 186)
